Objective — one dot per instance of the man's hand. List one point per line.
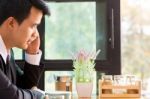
(33, 48)
(39, 93)
(46, 97)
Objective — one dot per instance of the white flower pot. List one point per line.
(84, 89)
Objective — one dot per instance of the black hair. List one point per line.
(20, 9)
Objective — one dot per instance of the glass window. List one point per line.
(73, 26)
(17, 53)
(70, 28)
(135, 40)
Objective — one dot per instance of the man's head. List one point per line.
(19, 20)
(20, 9)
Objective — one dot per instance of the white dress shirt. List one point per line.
(31, 59)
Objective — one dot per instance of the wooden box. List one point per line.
(110, 91)
(63, 86)
(63, 83)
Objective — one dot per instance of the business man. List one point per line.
(18, 28)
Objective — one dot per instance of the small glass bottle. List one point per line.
(107, 80)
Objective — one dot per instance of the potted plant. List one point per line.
(84, 67)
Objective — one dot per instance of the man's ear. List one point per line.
(11, 22)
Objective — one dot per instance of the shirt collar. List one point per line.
(3, 50)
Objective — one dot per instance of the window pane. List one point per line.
(72, 26)
(135, 40)
(17, 53)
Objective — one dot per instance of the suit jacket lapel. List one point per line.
(9, 70)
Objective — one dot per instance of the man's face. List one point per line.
(24, 33)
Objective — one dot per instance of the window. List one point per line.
(72, 26)
(135, 40)
(18, 53)
(79, 24)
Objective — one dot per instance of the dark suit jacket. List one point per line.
(15, 83)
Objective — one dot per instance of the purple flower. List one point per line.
(83, 63)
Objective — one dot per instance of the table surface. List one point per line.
(97, 97)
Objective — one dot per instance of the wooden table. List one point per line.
(94, 97)
(97, 97)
